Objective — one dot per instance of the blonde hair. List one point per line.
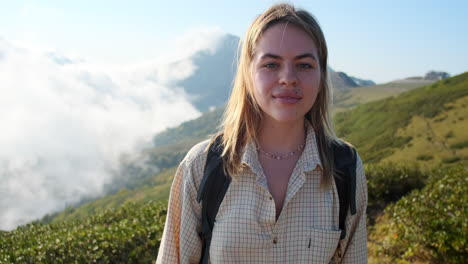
(243, 116)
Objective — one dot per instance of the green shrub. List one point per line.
(459, 145)
(130, 234)
(451, 159)
(440, 119)
(424, 157)
(450, 134)
(387, 183)
(431, 223)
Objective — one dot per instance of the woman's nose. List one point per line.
(288, 76)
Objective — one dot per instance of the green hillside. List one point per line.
(377, 128)
(350, 98)
(158, 190)
(191, 130)
(442, 138)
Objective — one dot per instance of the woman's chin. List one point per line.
(288, 119)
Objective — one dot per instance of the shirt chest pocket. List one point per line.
(317, 245)
(238, 239)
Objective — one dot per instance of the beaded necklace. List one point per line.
(281, 157)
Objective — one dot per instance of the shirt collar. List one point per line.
(250, 158)
(310, 157)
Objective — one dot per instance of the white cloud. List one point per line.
(65, 122)
(194, 40)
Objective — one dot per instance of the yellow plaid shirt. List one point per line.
(246, 230)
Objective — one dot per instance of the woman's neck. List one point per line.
(276, 137)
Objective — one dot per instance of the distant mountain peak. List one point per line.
(210, 84)
(430, 77)
(436, 75)
(342, 81)
(362, 82)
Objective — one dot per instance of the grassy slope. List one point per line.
(158, 192)
(191, 130)
(373, 127)
(361, 95)
(439, 139)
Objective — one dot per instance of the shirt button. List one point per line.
(275, 241)
(271, 198)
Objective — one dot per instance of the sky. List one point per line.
(85, 83)
(377, 40)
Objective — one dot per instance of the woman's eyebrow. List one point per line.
(298, 57)
(306, 55)
(271, 56)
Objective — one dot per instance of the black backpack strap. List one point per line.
(211, 192)
(345, 179)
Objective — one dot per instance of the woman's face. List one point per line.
(285, 73)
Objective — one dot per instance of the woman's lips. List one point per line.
(287, 98)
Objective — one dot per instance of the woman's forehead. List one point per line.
(285, 39)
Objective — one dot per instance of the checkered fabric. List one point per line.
(246, 229)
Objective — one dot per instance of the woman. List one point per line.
(282, 205)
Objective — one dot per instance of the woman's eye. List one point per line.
(305, 66)
(271, 65)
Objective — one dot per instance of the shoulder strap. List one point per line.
(211, 192)
(345, 180)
